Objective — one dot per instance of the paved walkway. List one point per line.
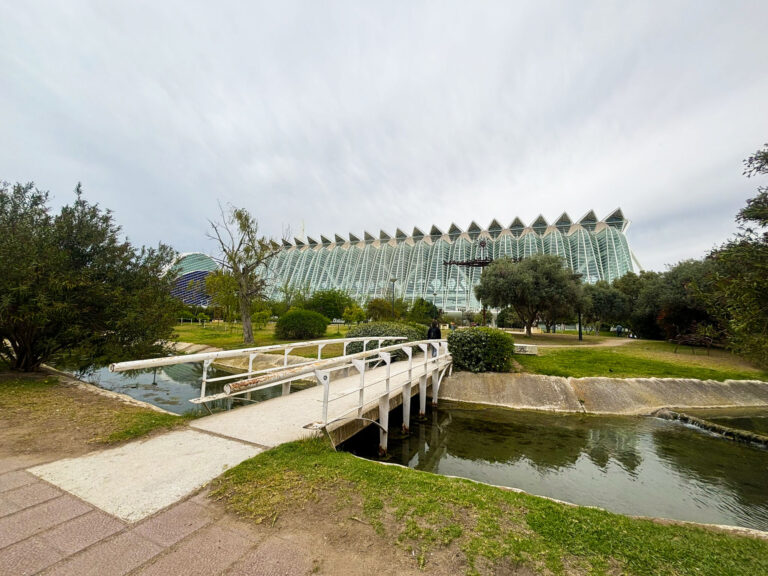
(46, 530)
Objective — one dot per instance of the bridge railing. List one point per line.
(434, 364)
(434, 361)
(260, 379)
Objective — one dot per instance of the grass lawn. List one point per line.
(559, 339)
(231, 336)
(41, 410)
(495, 530)
(641, 358)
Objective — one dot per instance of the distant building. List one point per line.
(366, 267)
(192, 269)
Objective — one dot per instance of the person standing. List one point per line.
(434, 334)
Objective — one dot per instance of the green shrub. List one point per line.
(301, 324)
(203, 317)
(260, 319)
(481, 350)
(410, 331)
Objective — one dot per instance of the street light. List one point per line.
(393, 280)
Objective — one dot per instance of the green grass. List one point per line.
(638, 359)
(490, 527)
(559, 339)
(230, 336)
(42, 404)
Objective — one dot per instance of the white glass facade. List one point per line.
(365, 268)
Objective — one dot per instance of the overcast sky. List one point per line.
(337, 117)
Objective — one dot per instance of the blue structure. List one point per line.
(192, 269)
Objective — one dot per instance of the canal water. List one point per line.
(172, 387)
(631, 465)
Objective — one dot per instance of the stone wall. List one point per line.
(638, 396)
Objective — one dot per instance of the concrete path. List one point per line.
(46, 530)
(137, 479)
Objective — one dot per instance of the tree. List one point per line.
(604, 304)
(528, 286)
(353, 314)
(422, 312)
(221, 286)
(70, 285)
(246, 256)
(741, 272)
(381, 309)
(329, 303)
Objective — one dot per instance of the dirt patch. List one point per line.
(45, 418)
(336, 538)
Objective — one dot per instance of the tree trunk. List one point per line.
(245, 314)
(528, 329)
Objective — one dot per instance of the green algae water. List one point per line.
(635, 466)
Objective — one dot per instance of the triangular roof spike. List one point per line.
(353, 238)
(564, 222)
(417, 234)
(400, 235)
(517, 227)
(384, 237)
(615, 219)
(539, 225)
(454, 232)
(494, 228)
(474, 230)
(287, 244)
(339, 239)
(324, 241)
(435, 233)
(311, 241)
(589, 220)
(298, 242)
(368, 238)
(274, 245)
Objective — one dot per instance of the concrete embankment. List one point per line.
(631, 396)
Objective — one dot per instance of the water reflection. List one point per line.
(639, 466)
(172, 387)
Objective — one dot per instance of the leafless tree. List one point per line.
(245, 255)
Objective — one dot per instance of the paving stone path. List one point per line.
(46, 530)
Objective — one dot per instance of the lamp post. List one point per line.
(393, 280)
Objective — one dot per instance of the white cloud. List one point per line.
(348, 116)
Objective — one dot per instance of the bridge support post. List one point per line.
(407, 392)
(384, 421)
(422, 396)
(436, 375)
(286, 388)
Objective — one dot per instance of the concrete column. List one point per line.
(384, 421)
(422, 396)
(406, 407)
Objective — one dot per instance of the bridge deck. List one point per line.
(285, 418)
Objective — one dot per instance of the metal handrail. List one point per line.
(323, 376)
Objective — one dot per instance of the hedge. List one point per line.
(481, 350)
(410, 331)
(301, 325)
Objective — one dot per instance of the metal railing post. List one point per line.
(360, 365)
(206, 365)
(324, 377)
(320, 351)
